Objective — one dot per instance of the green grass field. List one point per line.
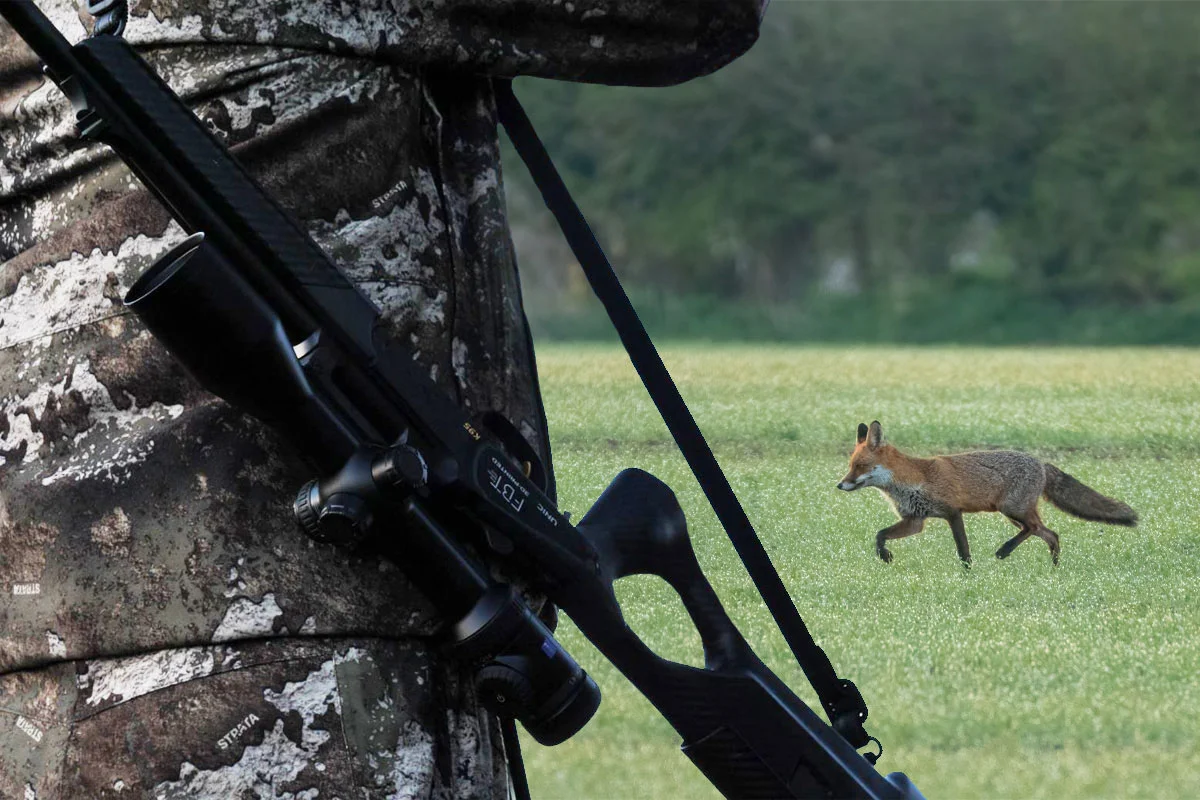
(1015, 680)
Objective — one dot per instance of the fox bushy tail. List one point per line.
(1083, 501)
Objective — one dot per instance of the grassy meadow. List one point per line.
(1013, 680)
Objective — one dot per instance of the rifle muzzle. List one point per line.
(223, 332)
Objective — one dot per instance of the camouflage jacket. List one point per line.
(138, 513)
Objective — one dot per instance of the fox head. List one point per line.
(866, 462)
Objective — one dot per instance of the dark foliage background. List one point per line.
(882, 171)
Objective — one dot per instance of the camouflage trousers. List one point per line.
(288, 719)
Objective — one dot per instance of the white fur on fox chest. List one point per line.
(910, 500)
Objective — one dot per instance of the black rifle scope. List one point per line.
(223, 332)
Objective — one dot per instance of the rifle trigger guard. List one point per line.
(873, 758)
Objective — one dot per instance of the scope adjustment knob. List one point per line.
(344, 520)
(503, 690)
(401, 467)
(305, 508)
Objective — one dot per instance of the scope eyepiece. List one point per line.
(521, 671)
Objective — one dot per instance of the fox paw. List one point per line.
(885, 554)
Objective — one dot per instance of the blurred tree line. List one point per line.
(975, 170)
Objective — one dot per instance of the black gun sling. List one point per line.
(841, 699)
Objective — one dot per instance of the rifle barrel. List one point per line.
(41, 36)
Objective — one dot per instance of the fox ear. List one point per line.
(875, 434)
(862, 432)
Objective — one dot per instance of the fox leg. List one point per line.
(1038, 528)
(1051, 540)
(1006, 549)
(1031, 525)
(1023, 517)
(905, 527)
(960, 539)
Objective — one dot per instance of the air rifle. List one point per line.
(262, 318)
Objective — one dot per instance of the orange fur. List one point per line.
(991, 480)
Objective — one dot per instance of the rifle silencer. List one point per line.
(223, 332)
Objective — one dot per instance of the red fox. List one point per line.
(987, 480)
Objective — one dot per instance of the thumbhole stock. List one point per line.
(657, 615)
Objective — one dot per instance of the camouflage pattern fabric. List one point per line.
(164, 629)
(290, 718)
